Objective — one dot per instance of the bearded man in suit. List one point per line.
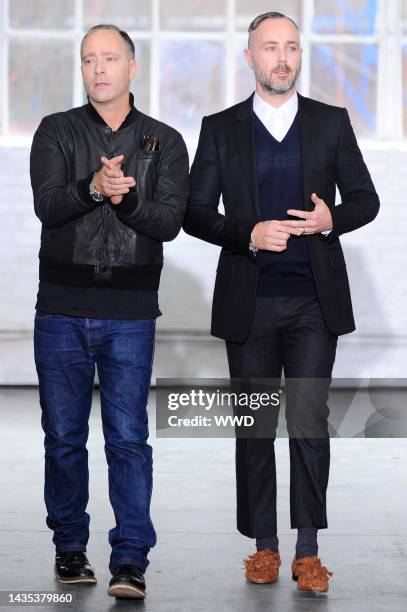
(281, 295)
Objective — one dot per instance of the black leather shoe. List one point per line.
(128, 582)
(74, 568)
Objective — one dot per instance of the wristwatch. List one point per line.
(94, 193)
(253, 249)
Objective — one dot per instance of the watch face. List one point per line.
(98, 197)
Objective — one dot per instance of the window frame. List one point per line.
(388, 37)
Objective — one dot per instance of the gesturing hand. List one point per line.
(272, 235)
(111, 181)
(314, 222)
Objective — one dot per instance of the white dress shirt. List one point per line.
(277, 120)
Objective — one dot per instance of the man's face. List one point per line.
(275, 55)
(107, 67)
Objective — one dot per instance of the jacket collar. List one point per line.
(245, 109)
(130, 117)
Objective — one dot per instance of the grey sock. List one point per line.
(270, 542)
(307, 544)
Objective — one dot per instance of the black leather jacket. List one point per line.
(86, 244)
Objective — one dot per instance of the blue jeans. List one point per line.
(66, 350)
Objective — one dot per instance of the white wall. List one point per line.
(376, 257)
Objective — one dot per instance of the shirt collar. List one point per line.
(263, 109)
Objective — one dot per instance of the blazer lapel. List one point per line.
(247, 150)
(308, 128)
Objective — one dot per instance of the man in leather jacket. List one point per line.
(110, 185)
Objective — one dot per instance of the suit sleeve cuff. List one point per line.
(325, 235)
(244, 235)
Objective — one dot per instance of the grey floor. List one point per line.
(197, 563)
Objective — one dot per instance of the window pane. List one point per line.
(245, 82)
(247, 10)
(346, 75)
(345, 16)
(404, 16)
(127, 14)
(2, 84)
(192, 82)
(40, 76)
(41, 14)
(140, 85)
(405, 89)
(193, 14)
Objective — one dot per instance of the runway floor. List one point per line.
(197, 564)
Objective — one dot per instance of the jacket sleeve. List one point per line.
(161, 217)
(360, 202)
(203, 220)
(56, 200)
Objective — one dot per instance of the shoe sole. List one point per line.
(295, 578)
(261, 581)
(125, 590)
(77, 580)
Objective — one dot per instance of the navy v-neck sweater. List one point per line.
(279, 172)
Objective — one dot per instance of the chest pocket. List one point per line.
(146, 173)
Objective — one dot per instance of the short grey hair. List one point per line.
(270, 15)
(110, 26)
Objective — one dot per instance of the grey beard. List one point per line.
(277, 90)
(266, 85)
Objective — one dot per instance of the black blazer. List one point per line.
(225, 164)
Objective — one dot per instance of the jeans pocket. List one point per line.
(40, 314)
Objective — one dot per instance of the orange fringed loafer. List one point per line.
(310, 575)
(262, 567)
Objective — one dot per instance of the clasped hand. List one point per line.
(110, 179)
(274, 235)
